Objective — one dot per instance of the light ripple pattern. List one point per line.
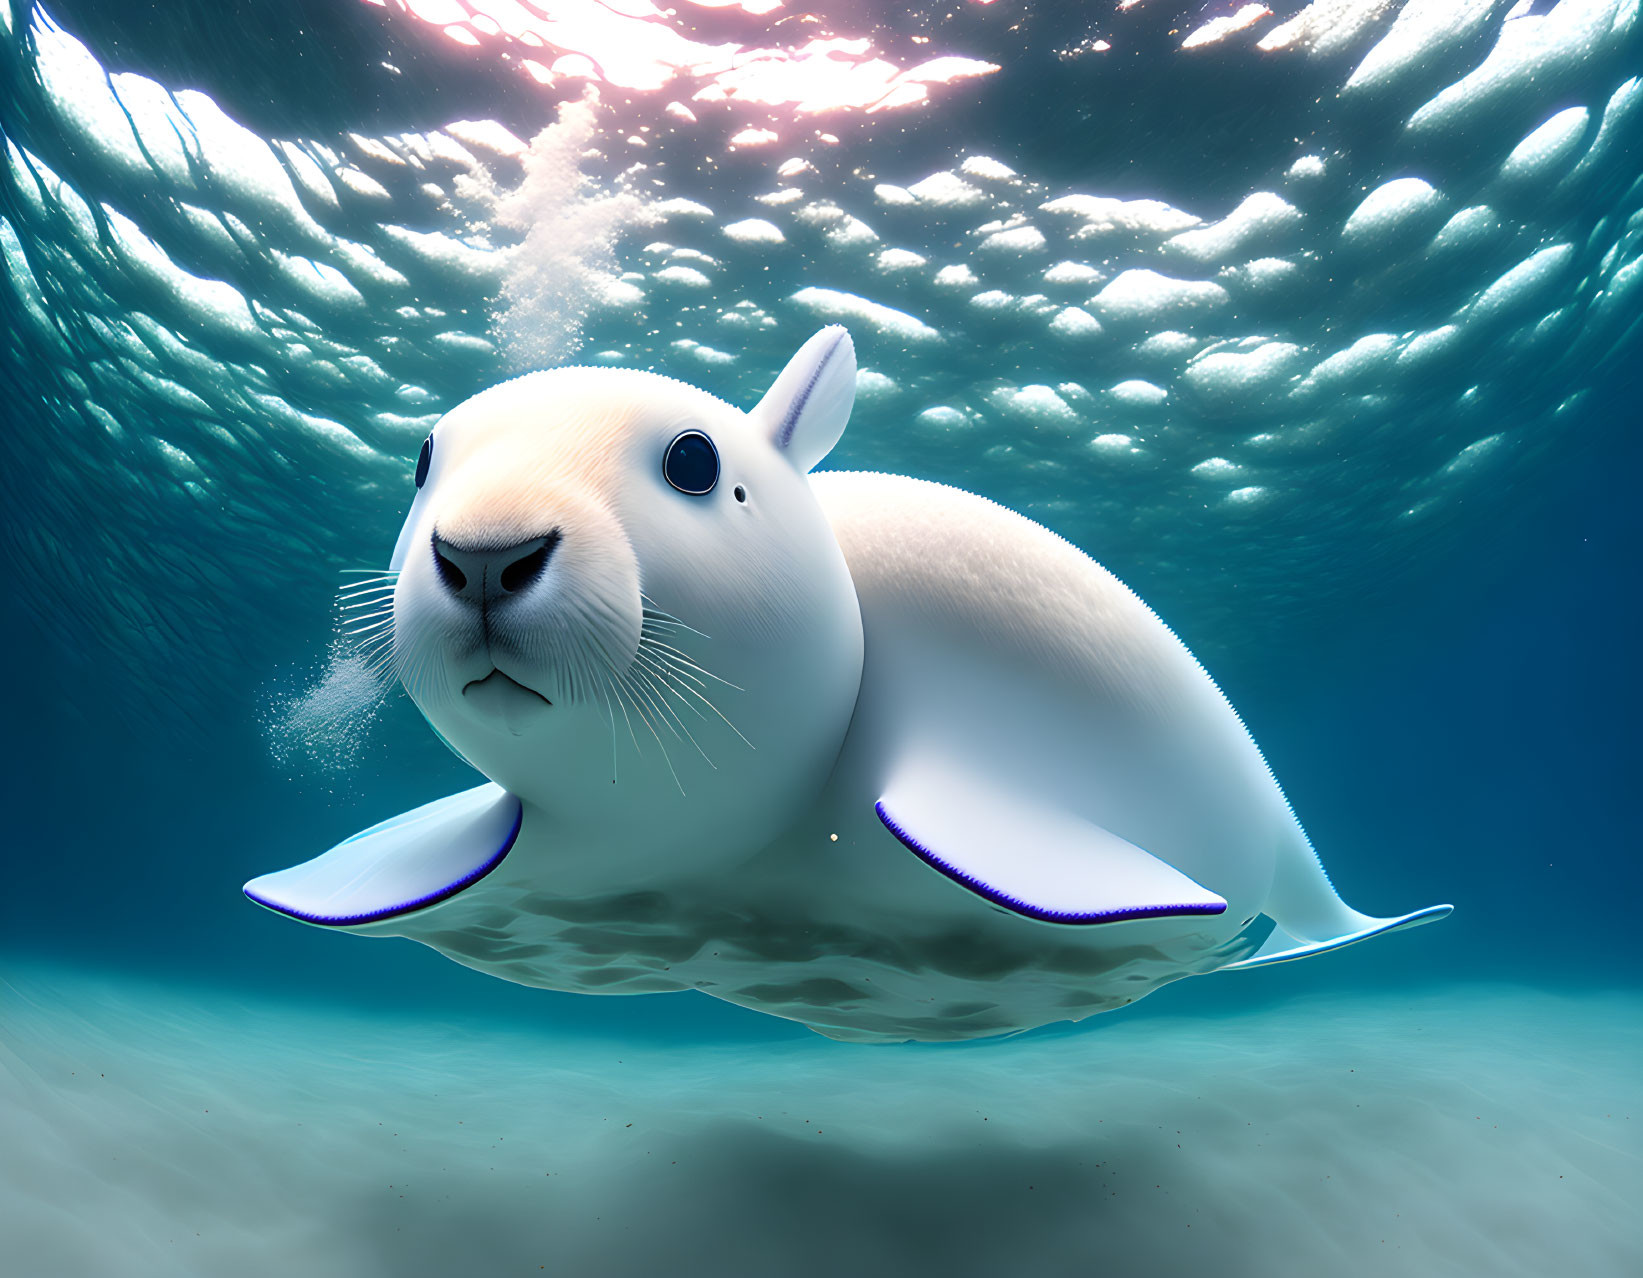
(1396, 316)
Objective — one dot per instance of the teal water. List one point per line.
(1371, 455)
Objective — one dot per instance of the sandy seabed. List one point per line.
(1467, 1130)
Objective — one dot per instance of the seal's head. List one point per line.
(618, 598)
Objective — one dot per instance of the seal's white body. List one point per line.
(982, 788)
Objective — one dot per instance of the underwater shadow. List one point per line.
(735, 1200)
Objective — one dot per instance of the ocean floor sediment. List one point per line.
(1467, 1130)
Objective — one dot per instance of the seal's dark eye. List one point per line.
(423, 460)
(692, 463)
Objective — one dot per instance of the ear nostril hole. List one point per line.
(741, 493)
(453, 577)
(521, 572)
(526, 569)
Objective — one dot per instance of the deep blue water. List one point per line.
(1450, 700)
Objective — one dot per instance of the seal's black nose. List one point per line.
(489, 574)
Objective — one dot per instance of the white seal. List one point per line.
(859, 750)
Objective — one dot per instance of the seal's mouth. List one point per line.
(497, 682)
(498, 697)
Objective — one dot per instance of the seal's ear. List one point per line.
(805, 410)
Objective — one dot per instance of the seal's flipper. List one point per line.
(1031, 858)
(406, 863)
(1281, 947)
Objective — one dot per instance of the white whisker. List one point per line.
(684, 677)
(610, 715)
(719, 714)
(672, 655)
(649, 674)
(616, 688)
(651, 613)
(660, 744)
(655, 661)
(357, 598)
(645, 690)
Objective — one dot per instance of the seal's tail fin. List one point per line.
(1309, 915)
(1281, 947)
